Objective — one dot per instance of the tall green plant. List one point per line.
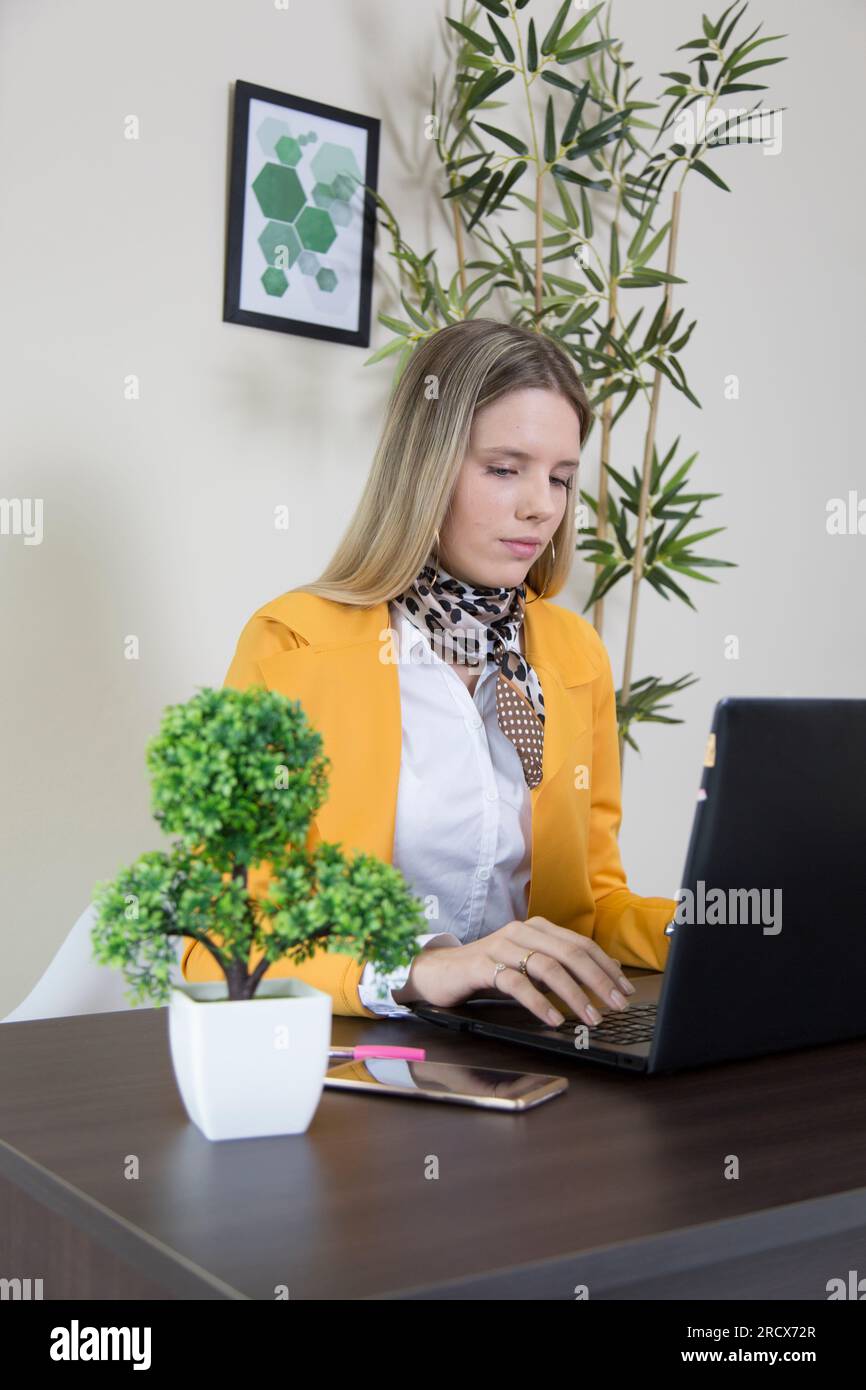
(585, 144)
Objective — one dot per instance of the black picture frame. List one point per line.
(244, 286)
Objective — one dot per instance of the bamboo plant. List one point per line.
(573, 278)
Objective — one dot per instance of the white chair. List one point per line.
(73, 982)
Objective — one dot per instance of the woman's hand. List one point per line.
(450, 974)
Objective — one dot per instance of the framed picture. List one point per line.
(299, 256)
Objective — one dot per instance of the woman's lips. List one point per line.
(522, 548)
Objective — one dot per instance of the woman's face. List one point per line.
(515, 483)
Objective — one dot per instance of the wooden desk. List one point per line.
(618, 1184)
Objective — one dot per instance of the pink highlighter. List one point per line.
(409, 1054)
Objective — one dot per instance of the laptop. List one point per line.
(768, 941)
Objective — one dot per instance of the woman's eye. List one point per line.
(499, 472)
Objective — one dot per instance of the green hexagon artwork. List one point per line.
(275, 281)
(280, 244)
(331, 161)
(279, 191)
(288, 150)
(316, 229)
(268, 132)
(300, 229)
(323, 195)
(343, 187)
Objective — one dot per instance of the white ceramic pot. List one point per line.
(250, 1067)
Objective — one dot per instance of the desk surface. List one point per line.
(619, 1179)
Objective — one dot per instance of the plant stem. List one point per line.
(539, 173)
(239, 980)
(258, 973)
(539, 248)
(606, 416)
(458, 238)
(204, 940)
(649, 445)
(604, 459)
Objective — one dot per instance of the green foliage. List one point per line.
(587, 143)
(241, 770)
(237, 776)
(668, 548)
(719, 64)
(645, 699)
(670, 511)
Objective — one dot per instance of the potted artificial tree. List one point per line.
(237, 776)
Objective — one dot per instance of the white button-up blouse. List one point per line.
(463, 828)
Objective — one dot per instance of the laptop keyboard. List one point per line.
(634, 1025)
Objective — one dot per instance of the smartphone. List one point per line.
(491, 1088)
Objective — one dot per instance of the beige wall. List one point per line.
(158, 514)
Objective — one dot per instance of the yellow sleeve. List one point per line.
(627, 926)
(333, 972)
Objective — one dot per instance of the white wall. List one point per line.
(158, 514)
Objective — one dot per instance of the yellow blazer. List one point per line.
(327, 655)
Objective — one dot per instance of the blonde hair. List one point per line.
(421, 450)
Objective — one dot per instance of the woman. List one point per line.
(470, 722)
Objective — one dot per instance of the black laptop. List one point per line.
(768, 943)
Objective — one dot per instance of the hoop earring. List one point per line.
(544, 590)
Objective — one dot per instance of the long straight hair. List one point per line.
(424, 440)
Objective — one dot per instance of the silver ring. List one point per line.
(500, 965)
